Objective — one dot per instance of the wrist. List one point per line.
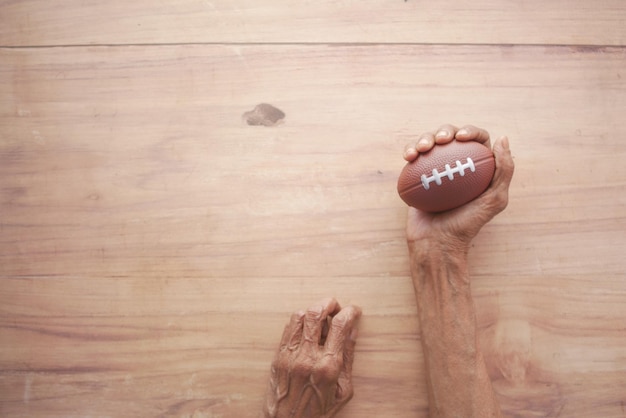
(438, 250)
(437, 263)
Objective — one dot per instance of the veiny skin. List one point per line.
(312, 372)
(457, 379)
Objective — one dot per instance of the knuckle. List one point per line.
(301, 369)
(503, 200)
(500, 200)
(280, 364)
(496, 201)
(348, 392)
(496, 207)
(326, 373)
(327, 370)
(314, 312)
(345, 390)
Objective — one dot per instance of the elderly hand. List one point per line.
(312, 372)
(457, 379)
(457, 227)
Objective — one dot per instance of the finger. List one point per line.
(445, 134)
(314, 321)
(496, 197)
(284, 340)
(341, 327)
(425, 142)
(410, 152)
(287, 332)
(279, 379)
(294, 330)
(348, 351)
(504, 168)
(472, 133)
(344, 382)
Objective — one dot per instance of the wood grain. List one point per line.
(119, 22)
(153, 244)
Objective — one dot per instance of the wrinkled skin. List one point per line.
(457, 379)
(312, 371)
(311, 375)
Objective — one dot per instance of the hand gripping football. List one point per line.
(447, 176)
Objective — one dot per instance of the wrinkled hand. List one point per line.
(312, 371)
(457, 227)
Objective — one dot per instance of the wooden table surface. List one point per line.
(153, 244)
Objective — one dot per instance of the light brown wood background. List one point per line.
(152, 244)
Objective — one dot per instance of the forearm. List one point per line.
(457, 379)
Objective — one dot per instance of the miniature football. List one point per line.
(447, 176)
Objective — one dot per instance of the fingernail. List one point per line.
(423, 142)
(505, 142)
(462, 132)
(443, 134)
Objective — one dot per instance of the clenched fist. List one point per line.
(312, 371)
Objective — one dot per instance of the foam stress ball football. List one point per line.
(447, 176)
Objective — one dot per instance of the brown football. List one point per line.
(447, 176)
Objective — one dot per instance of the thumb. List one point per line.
(504, 172)
(494, 200)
